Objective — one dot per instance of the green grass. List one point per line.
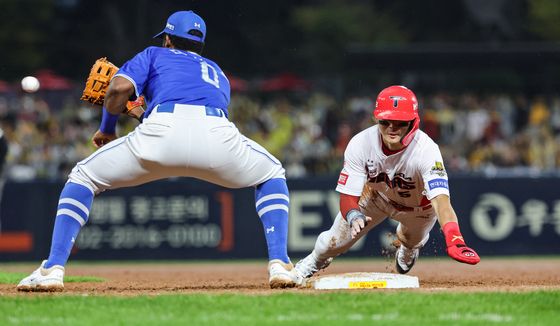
(288, 308)
(14, 278)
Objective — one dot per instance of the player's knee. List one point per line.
(412, 240)
(80, 177)
(279, 173)
(272, 186)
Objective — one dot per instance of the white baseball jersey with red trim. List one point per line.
(409, 178)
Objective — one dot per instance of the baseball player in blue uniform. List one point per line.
(185, 132)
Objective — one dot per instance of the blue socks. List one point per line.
(272, 202)
(73, 211)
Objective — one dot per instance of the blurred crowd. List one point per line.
(308, 132)
(48, 133)
(489, 134)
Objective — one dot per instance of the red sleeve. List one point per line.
(348, 202)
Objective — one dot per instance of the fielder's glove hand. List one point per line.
(357, 221)
(101, 139)
(456, 247)
(97, 84)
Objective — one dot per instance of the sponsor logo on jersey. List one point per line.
(438, 183)
(438, 169)
(342, 178)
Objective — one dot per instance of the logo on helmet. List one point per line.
(396, 100)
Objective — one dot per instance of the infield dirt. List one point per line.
(435, 274)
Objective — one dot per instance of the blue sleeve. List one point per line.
(137, 70)
(108, 122)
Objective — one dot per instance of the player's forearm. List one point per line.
(118, 94)
(444, 210)
(456, 246)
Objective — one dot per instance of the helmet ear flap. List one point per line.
(407, 139)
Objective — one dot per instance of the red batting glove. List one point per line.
(456, 247)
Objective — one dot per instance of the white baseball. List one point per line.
(30, 84)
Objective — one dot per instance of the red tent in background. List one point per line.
(4, 87)
(284, 82)
(52, 82)
(237, 84)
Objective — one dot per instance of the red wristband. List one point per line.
(348, 203)
(452, 234)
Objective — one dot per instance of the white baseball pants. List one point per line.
(179, 141)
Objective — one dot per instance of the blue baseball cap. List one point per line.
(181, 22)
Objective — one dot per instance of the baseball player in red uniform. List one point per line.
(393, 170)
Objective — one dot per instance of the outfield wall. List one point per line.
(189, 219)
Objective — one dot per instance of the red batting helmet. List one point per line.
(398, 103)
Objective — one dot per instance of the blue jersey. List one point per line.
(165, 75)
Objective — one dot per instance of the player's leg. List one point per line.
(72, 213)
(113, 164)
(272, 202)
(337, 240)
(237, 162)
(228, 158)
(413, 232)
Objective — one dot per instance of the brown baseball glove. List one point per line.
(98, 81)
(97, 84)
